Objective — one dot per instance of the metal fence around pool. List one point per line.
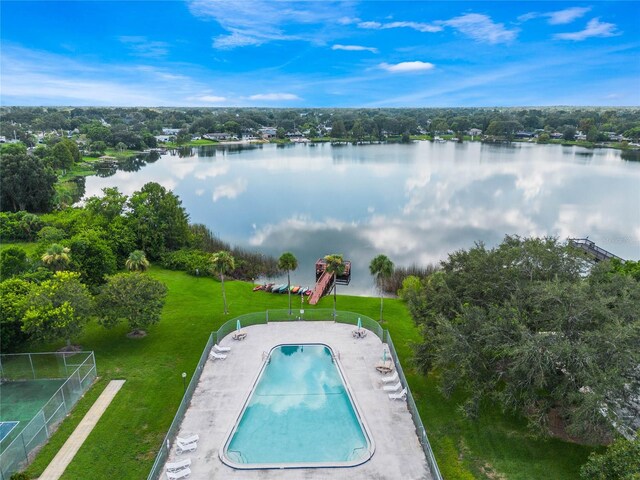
(76, 370)
(263, 318)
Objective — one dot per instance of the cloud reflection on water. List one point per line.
(416, 203)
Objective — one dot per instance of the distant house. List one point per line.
(163, 138)
(218, 136)
(474, 132)
(524, 134)
(170, 131)
(556, 135)
(268, 132)
(3, 139)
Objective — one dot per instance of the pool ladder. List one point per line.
(353, 453)
(266, 356)
(239, 455)
(335, 356)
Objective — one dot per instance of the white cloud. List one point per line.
(274, 96)
(420, 27)
(568, 15)
(559, 17)
(230, 190)
(528, 16)
(481, 28)
(143, 47)
(210, 99)
(405, 67)
(354, 48)
(255, 22)
(348, 20)
(595, 28)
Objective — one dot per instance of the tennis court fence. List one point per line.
(78, 370)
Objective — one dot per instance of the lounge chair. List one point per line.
(385, 367)
(185, 447)
(220, 349)
(187, 440)
(177, 466)
(184, 473)
(392, 388)
(359, 333)
(239, 335)
(398, 396)
(217, 356)
(390, 378)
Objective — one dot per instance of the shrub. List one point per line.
(194, 262)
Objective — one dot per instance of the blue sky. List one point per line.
(320, 54)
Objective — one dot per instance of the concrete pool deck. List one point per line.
(225, 385)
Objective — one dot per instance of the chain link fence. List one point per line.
(413, 409)
(79, 369)
(161, 458)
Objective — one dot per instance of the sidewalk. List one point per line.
(58, 465)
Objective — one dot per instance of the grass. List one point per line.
(132, 428)
(29, 247)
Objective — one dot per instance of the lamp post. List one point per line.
(184, 381)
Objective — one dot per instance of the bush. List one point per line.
(194, 262)
(621, 461)
(19, 226)
(13, 261)
(395, 280)
(50, 235)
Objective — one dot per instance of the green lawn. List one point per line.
(124, 443)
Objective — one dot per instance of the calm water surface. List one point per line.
(413, 202)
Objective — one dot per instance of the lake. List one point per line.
(413, 202)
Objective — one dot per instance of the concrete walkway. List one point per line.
(225, 385)
(58, 465)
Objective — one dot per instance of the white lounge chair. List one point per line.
(220, 349)
(177, 466)
(185, 447)
(392, 388)
(184, 473)
(398, 396)
(187, 440)
(217, 356)
(390, 378)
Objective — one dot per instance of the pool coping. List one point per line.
(280, 466)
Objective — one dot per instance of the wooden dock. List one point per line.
(323, 286)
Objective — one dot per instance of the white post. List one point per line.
(32, 369)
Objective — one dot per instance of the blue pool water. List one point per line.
(298, 414)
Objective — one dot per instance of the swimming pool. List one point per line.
(299, 413)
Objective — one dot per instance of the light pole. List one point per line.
(184, 381)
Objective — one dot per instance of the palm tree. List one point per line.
(381, 267)
(56, 257)
(137, 261)
(335, 266)
(288, 262)
(223, 262)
